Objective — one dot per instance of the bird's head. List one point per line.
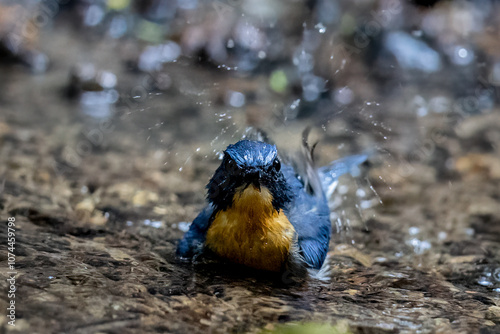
(247, 164)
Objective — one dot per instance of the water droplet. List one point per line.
(156, 224)
(462, 56)
(496, 274)
(343, 95)
(442, 235)
(360, 193)
(183, 226)
(419, 246)
(312, 87)
(343, 189)
(295, 104)
(303, 60)
(413, 230)
(417, 33)
(235, 99)
(412, 53)
(154, 56)
(93, 15)
(321, 28)
(484, 281)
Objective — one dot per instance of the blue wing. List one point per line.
(309, 212)
(310, 216)
(192, 242)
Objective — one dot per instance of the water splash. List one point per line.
(490, 278)
(155, 224)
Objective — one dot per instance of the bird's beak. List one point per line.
(254, 179)
(256, 184)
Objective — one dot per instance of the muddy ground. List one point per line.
(101, 203)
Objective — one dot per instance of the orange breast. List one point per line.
(251, 232)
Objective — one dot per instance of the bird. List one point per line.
(265, 212)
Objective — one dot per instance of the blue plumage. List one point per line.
(257, 163)
(252, 153)
(310, 216)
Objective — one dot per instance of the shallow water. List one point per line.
(102, 193)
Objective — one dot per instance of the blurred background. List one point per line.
(114, 114)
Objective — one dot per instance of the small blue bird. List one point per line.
(264, 213)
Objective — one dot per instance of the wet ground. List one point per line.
(101, 197)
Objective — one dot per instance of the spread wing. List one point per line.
(192, 242)
(309, 212)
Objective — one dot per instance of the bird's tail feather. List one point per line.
(330, 174)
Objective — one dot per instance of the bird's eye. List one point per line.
(231, 166)
(276, 165)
